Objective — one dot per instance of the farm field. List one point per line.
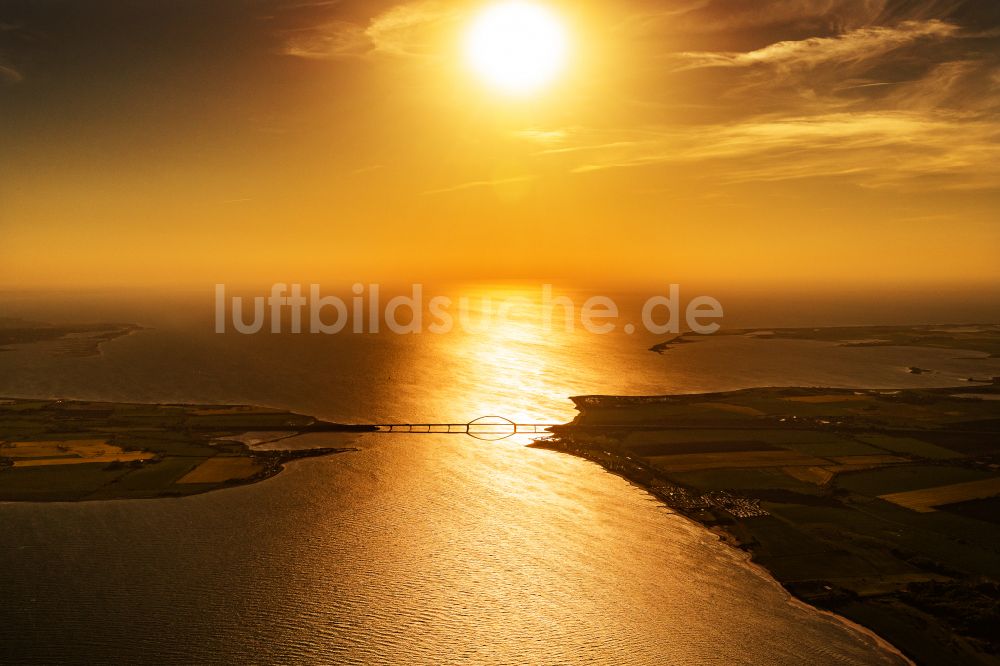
(881, 505)
(56, 450)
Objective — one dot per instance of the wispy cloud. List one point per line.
(336, 39)
(820, 17)
(9, 74)
(15, 39)
(481, 183)
(721, 16)
(547, 137)
(404, 30)
(862, 44)
(969, 85)
(882, 94)
(900, 150)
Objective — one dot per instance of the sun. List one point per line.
(517, 47)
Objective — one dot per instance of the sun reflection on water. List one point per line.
(523, 360)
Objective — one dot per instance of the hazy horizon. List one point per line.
(814, 143)
(742, 308)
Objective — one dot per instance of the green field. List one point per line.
(55, 450)
(795, 476)
(909, 446)
(899, 479)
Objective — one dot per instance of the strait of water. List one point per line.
(414, 549)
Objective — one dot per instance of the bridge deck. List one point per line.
(467, 428)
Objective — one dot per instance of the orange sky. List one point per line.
(847, 142)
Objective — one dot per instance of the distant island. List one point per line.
(880, 505)
(62, 450)
(984, 338)
(981, 338)
(67, 339)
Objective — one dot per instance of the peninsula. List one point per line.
(882, 506)
(62, 450)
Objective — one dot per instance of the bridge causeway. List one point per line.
(484, 426)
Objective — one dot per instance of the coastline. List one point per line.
(738, 424)
(275, 466)
(78, 451)
(731, 541)
(818, 488)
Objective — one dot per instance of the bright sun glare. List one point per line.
(516, 46)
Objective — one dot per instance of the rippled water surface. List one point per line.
(414, 549)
